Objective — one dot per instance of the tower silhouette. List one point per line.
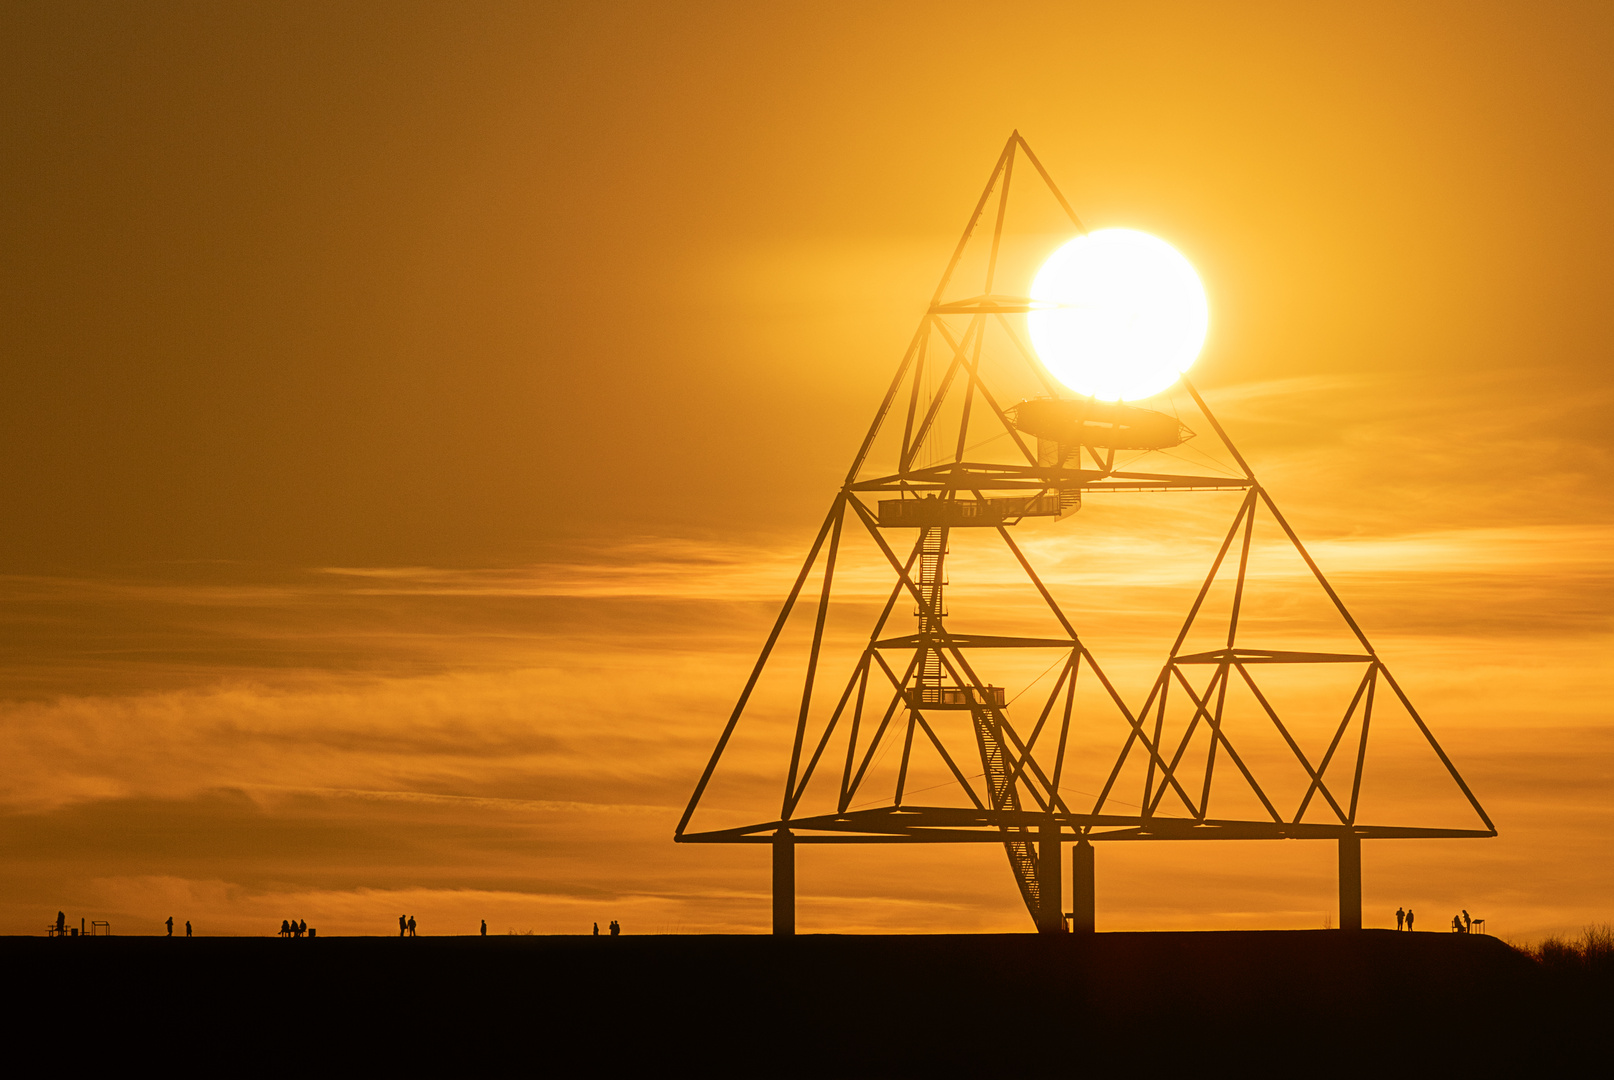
(975, 438)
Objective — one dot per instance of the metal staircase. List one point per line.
(1002, 792)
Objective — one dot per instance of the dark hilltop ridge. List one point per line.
(1290, 1002)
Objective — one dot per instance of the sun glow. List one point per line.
(1118, 315)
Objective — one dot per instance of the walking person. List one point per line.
(187, 928)
(1400, 918)
(170, 926)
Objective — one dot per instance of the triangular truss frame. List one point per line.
(1020, 803)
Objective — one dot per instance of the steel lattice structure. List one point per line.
(1064, 450)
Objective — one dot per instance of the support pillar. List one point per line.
(1350, 882)
(1050, 872)
(784, 883)
(1082, 907)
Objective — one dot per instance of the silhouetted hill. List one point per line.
(1290, 1001)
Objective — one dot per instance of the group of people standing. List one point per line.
(616, 929)
(406, 926)
(288, 928)
(169, 924)
(1460, 924)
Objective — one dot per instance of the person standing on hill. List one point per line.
(596, 929)
(411, 926)
(170, 926)
(1409, 919)
(187, 928)
(1468, 924)
(484, 928)
(403, 926)
(1400, 918)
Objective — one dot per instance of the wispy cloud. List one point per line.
(326, 736)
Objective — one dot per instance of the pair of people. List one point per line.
(406, 926)
(288, 928)
(1462, 924)
(1403, 915)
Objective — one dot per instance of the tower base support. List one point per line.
(1082, 907)
(784, 882)
(1050, 872)
(1350, 882)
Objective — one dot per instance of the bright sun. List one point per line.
(1119, 315)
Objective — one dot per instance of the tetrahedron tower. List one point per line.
(972, 443)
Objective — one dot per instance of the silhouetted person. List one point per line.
(411, 926)
(187, 928)
(484, 928)
(285, 928)
(61, 924)
(170, 926)
(302, 928)
(616, 928)
(1456, 925)
(403, 926)
(1400, 918)
(1468, 924)
(596, 929)
(1409, 919)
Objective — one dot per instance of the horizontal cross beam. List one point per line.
(974, 641)
(1270, 656)
(938, 824)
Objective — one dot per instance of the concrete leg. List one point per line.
(1050, 875)
(1350, 882)
(784, 882)
(1083, 913)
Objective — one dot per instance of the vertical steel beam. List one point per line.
(997, 227)
(756, 671)
(1350, 882)
(1082, 907)
(812, 655)
(975, 217)
(784, 883)
(906, 454)
(1361, 749)
(907, 752)
(1050, 871)
(1074, 667)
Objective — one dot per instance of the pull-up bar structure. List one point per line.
(922, 688)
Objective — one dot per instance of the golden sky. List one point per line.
(414, 414)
